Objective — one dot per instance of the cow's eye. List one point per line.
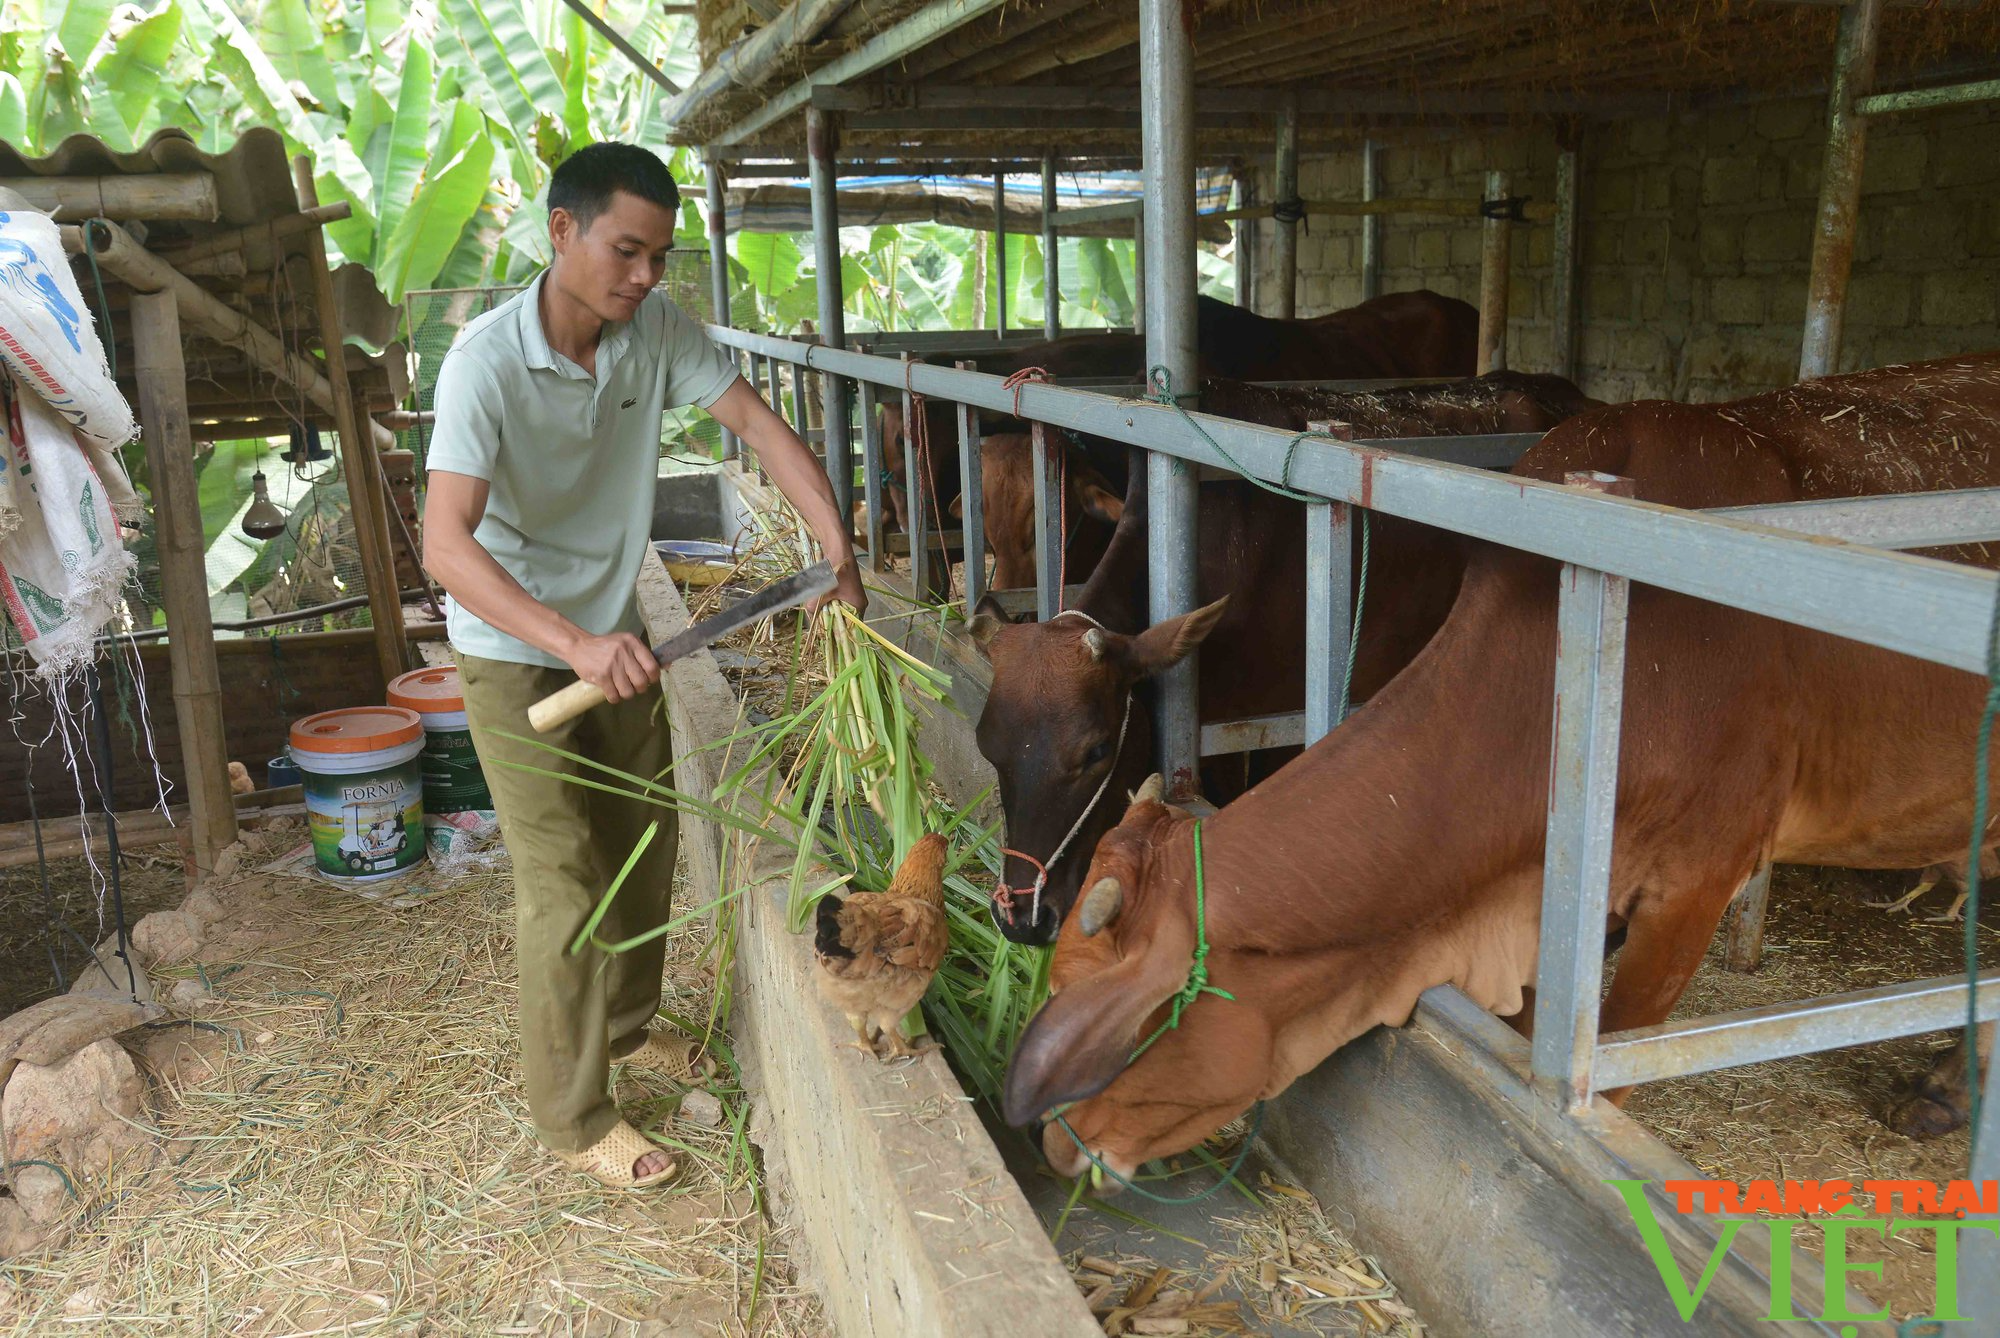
(1098, 752)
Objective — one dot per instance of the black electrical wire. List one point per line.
(101, 725)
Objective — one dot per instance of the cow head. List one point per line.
(1063, 693)
(1119, 962)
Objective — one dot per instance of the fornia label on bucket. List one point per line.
(363, 781)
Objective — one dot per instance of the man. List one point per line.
(538, 515)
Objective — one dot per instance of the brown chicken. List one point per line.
(877, 951)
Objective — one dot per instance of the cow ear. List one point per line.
(1083, 1038)
(1164, 645)
(1100, 503)
(957, 507)
(987, 620)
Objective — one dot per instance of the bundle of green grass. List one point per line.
(836, 779)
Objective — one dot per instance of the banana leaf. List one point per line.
(431, 226)
(84, 23)
(254, 75)
(772, 259)
(291, 38)
(406, 150)
(136, 64)
(517, 69)
(13, 110)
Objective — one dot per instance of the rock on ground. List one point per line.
(68, 1114)
(167, 937)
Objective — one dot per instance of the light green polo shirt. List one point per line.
(571, 460)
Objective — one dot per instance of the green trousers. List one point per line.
(567, 843)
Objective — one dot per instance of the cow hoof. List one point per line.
(1926, 1113)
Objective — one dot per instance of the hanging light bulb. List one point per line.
(263, 520)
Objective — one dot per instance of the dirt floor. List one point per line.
(346, 1151)
(1819, 1116)
(32, 921)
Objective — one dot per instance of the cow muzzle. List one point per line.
(1020, 919)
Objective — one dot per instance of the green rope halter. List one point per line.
(1193, 988)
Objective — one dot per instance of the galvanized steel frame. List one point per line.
(1803, 563)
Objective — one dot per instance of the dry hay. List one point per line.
(1282, 1267)
(1819, 1116)
(347, 1151)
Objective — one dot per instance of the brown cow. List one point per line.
(1399, 334)
(1055, 713)
(1405, 849)
(1091, 507)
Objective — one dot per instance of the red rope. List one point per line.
(1003, 895)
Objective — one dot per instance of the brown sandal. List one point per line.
(671, 1056)
(610, 1160)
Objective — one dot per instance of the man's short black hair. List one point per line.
(587, 179)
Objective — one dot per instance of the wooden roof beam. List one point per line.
(892, 44)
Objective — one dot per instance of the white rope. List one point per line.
(1042, 876)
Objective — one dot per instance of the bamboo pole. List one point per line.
(179, 196)
(367, 490)
(1493, 262)
(273, 231)
(205, 314)
(1839, 209)
(156, 332)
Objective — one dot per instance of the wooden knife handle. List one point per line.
(562, 707)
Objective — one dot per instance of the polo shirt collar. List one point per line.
(535, 348)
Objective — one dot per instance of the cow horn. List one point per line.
(1100, 906)
(1093, 641)
(1153, 789)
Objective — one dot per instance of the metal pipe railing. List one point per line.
(1801, 562)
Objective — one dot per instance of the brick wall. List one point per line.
(1696, 234)
(262, 693)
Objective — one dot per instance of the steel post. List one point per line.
(1744, 947)
(1371, 224)
(1566, 244)
(1166, 74)
(916, 489)
(1329, 613)
(1049, 537)
(971, 499)
(1839, 189)
(822, 144)
(1051, 270)
(1245, 246)
(1494, 255)
(1139, 274)
(1285, 242)
(1583, 788)
(718, 269)
(1000, 254)
(871, 472)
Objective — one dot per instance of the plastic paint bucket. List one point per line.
(453, 782)
(281, 771)
(363, 782)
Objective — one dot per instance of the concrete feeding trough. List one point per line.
(1496, 1217)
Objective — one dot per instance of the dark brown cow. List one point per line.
(1054, 714)
(1495, 402)
(1405, 849)
(1399, 334)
